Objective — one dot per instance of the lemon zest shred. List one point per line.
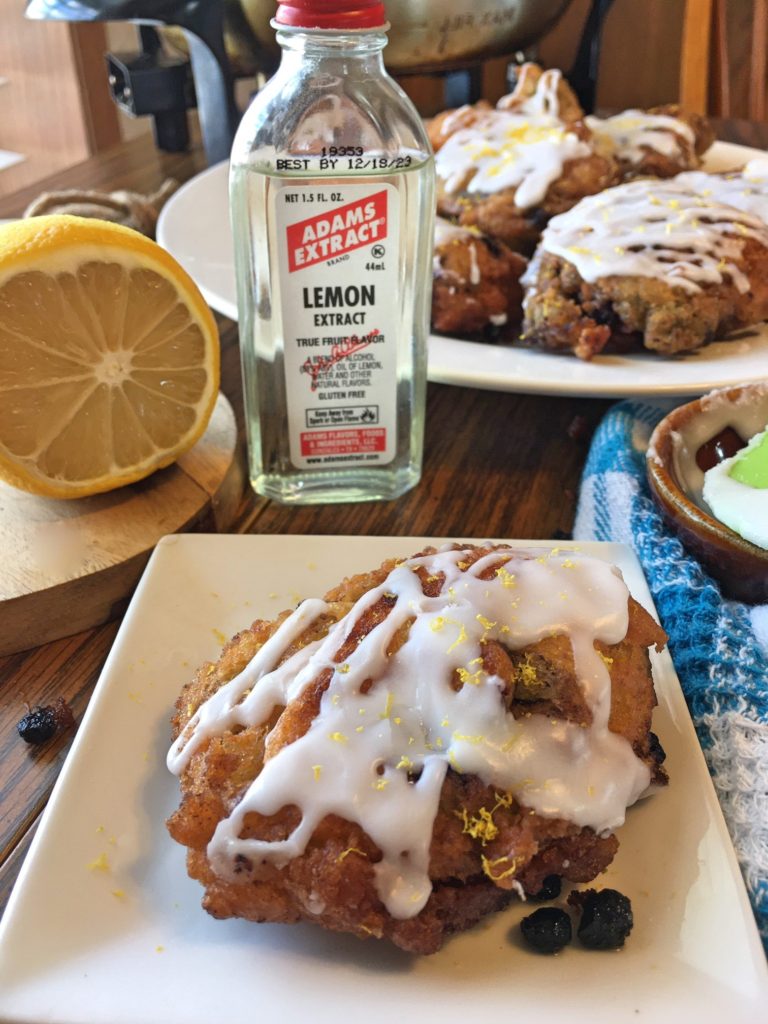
(470, 677)
(478, 738)
(528, 673)
(460, 639)
(507, 578)
(388, 706)
(350, 849)
(488, 865)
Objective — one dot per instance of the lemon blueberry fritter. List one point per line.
(401, 757)
(506, 171)
(649, 262)
(475, 285)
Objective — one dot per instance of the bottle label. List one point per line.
(338, 251)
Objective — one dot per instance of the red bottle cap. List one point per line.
(343, 14)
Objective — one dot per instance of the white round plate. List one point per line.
(194, 227)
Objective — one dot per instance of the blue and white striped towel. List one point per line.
(720, 647)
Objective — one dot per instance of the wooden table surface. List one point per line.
(495, 465)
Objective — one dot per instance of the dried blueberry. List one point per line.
(606, 918)
(578, 428)
(550, 889)
(655, 748)
(38, 725)
(43, 722)
(547, 930)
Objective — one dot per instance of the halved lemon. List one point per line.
(109, 357)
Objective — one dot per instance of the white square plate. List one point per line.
(130, 944)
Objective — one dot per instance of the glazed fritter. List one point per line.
(507, 171)
(401, 758)
(659, 142)
(476, 283)
(647, 263)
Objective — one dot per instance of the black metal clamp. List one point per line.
(151, 82)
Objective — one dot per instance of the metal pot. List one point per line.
(437, 35)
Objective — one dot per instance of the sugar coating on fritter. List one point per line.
(655, 261)
(397, 758)
(475, 282)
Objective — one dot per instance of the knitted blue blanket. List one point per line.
(720, 647)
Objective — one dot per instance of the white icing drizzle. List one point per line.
(474, 267)
(631, 133)
(445, 234)
(745, 190)
(453, 118)
(543, 100)
(509, 150)
(660, 229)
(227, 708)
(380, 758)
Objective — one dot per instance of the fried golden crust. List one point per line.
(565, 313)
(442, 126)
(484, 844)
(476, 285)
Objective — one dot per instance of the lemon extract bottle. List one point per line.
(332, 202)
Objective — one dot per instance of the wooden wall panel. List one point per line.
(640, 59)
(53, 106)
(89, 43)
(640, 63)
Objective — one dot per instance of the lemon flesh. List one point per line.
(109, 358)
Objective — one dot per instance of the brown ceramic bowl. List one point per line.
(676, 483)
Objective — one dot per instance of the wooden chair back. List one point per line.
(706, 68)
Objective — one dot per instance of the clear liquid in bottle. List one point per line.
(332, 210)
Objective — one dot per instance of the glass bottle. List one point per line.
(332, 203)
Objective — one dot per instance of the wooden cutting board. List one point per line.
(69, 565)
